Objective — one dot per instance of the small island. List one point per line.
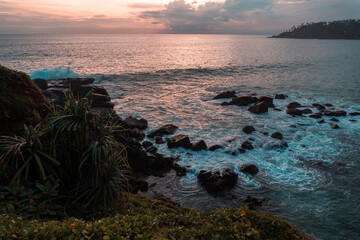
(344, 29)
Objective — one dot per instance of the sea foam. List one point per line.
(55, 73)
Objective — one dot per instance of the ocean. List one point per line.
(173, 78)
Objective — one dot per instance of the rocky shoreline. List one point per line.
(142, 149)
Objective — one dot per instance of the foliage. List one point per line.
(345, 29)
(74, 147)
(143, 218)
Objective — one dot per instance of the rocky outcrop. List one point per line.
(164, 130)
(132, 122)
(216, 182)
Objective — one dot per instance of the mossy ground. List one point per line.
(144, 218)
(21, 101)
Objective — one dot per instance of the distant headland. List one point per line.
(344, 29)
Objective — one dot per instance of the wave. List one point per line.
(55, 73)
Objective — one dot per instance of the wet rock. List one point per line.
(354, 113)
(216, 182)
(225, 104)
(352, 120)
(321, 121)
(180, 140)
(277, 109)
(234, 152)
(132, 122)
(134, 134)
(151, 149)
(316, 115)
(215, 147)
(162, 197)
(248, 129)
(198, 146)
(328, 105)
(227, 94)
(264, 133)
(335, 113)
(241, 150)
(247, 145)
(293, 105)
(279, 144)
(307, 111)
(253, 202)
(280, 96)
(319, 106)
(277, 135)
(243, 101)
(334, 119)
(180, 171)
(147, 144)
(334, 126)
(292, 126)
(294, 112)
(249, 168)
(164, 130)
(159, 140)
(267, 100)
(260, 107)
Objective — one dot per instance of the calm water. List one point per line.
(172, 79)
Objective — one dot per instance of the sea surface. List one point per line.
(173, 78)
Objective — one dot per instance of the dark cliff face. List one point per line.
(346, 29)
(21, 101)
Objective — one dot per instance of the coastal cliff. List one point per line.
(345, 29)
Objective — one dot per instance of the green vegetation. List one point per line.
(21, 101)
(144, 218)
(71, 151)
(345, 29)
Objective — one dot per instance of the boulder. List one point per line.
(354, 113)
(280, 96)
(260, 107)
(334, 126)
(264, 133)
(180, 140)
(247, 145)
(267, 100)
(215, 147)
(241, 150)
(249, 168)
(134, 134)
(229, 177)
(319, 106)
(216, 182)
(132, 122)
(227, 94)
(321, 121)
(147, 144)
(159, 140)
(243, 101)
(306, 111)
(180, 171)
(198, 146)
(277, 135)
(151, 149)
(164, 130)
(335, 113)
(316, 115)
(248, 129)
(294, 112)
(293, 105)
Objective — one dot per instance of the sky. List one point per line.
(164, 16)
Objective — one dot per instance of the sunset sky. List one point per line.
(164, 16)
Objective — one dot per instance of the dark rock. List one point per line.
(247, 145)
(164, 130)
(147, 144)
(229, 177)
(316, 115)
(225, 104)
(134, 134)
(277, 109)
(260, 107)
(243, 101)
(42, 84)
(248, 129)
(307, 111)
(227, 94)
(280, 96)
(180, 140)
(294, 112)
(132, 122)
(214, 147)
(328, 105)
(354, 113)
(253, 202)
(319, 162)
(267, 100)
(249, 168)
(293, 105)
(241, 150)
(198, 146)
(279, 144)
(334, 126)
(151, 149)
(265, 133)
(138, 184)
(335, 113)
(159, 140)
(292, 126)
(234, 152)
(352, 120)
(318, 106)
(321, 121)
(180, 171)
(277, 135)
(334, 119)
(216, 182)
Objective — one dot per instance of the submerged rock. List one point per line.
(335, 113)
(249, 168)
(280, 96)
(227, 94)
(277, 135)
(354, 113)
